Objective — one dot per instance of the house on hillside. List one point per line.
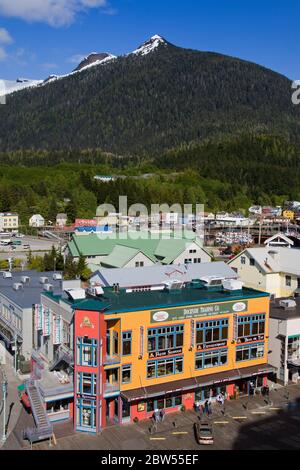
(270, 269)
(279, 240)
(36, 220)
(61, 220)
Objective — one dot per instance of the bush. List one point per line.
(136, 420)
(183, 408)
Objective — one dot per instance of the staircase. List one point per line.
(63, 354)
(43, 428)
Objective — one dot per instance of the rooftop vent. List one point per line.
(212, 281)
(7, 275)
(75, 294)
(173, 284)
(232, 285)
(17, 286)
(288, 304)
(48, 287)
(25, 279)
(57, 277)
(95, 291)
(44, 280)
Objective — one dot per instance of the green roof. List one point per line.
(121, 302)
(120, 256)
(165, 250)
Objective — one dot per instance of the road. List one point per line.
(38, 246)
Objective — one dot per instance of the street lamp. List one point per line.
(4, 393)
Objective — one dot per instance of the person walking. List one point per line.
(206, 408)
(156, 416)
(197, 406)
(162, 415)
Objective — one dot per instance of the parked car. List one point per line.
(26, 247)
(204, 433)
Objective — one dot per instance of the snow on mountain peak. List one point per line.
(95, 58)
(149, 46)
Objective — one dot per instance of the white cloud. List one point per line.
(57, 13)
(3, 53)
(5, 37)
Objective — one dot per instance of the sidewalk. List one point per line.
(13, 405)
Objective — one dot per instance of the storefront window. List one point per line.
(160, 339)
(164, 367)
(86, 384)
(86, 413)
(210, 359)
(171, 401)
(247, 352)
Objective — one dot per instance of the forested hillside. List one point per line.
(145, 105)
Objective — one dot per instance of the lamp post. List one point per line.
(4, 393)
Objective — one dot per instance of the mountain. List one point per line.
(158, 97)
(11, 86)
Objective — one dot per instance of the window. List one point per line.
(211, 331)
(252, 262)
(171, 401)
(86, 413)
(160, 339)
(126, 343)
(243, 260)
(139, 264)
(288, 281)
(251, 325)
(192, 251)
(164, 367)
(197, 260)
(248, 352)
(87, 352)
(86, 384)
(210, 359)
(126, 374)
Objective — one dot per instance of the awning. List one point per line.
(180, 386)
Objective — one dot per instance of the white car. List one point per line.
(20, 235)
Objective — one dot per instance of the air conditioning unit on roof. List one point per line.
(232, 285)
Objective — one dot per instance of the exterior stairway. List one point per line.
(44, 429)
(63, 354)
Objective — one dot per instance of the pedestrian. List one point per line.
(197, 406)
(206, 408)
(162, 415)
(156, 415)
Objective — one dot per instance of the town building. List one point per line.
(279, 240)
(9, 221)
(20, 293)
(288, 214)
(36, 220)
(137, 352)
(61, 220)
(275, 270)
(124, 251)
(155, 277)
(284, 342)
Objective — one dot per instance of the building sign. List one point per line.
(86, 323)
(166, 352)
(198, 311)
(250, 339)
(57, 329)
(39, 317)
(85, 223)
(46, 322)
(217, 344)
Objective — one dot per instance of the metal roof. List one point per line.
(158, 274)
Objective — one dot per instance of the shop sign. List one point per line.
(39, 317)
(141, 407)
(86, 323)
(250, 339)
(217, 344)
(47, 323)
(57, 330)
(166, 352)
(198, 311)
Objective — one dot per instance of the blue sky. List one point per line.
(39, 37)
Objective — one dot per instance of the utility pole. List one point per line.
(4, 393)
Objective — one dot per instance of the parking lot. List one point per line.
(37, 246)
(250, 424)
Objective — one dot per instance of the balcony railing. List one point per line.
(111, 387)
(112, 359)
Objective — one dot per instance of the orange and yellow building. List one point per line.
(138, 352)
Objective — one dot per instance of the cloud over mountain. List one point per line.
(56, 13)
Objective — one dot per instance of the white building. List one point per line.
(36, 220)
